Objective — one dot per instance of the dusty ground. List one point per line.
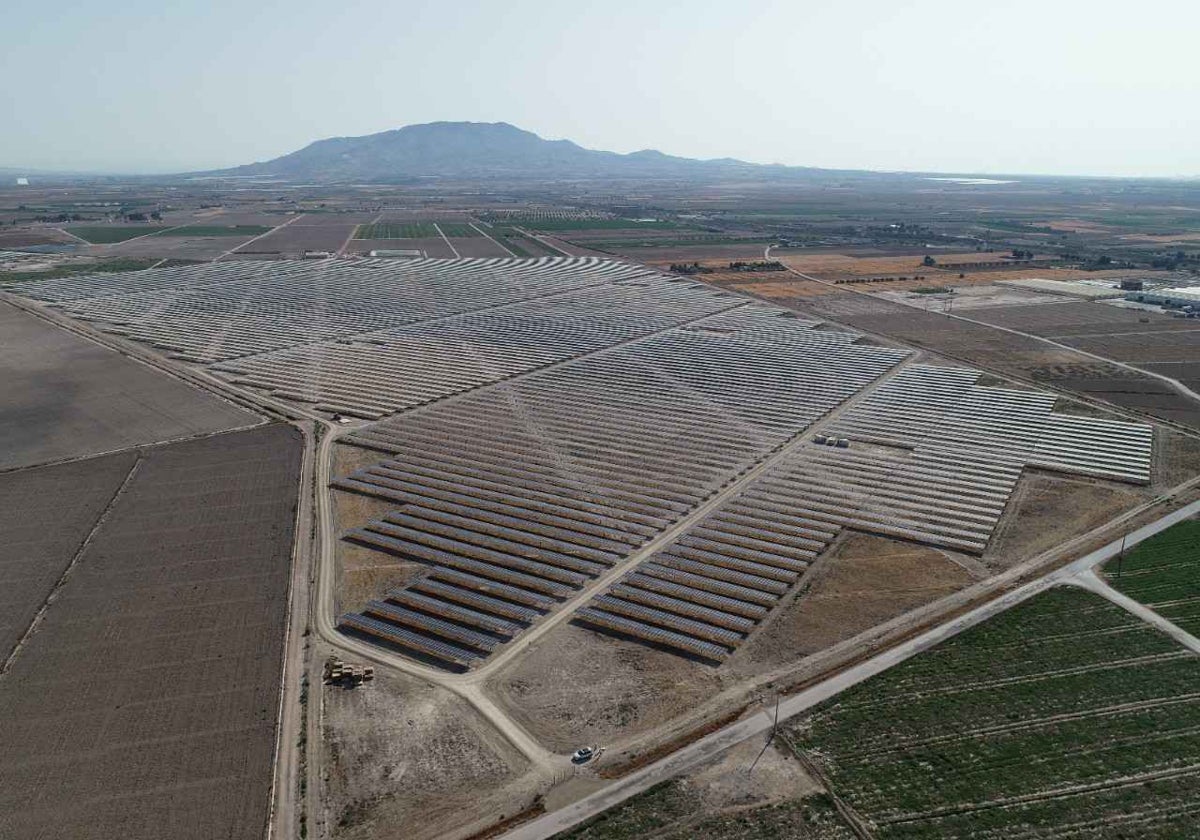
(144, 703)
(863, 581)
(577, 686)
(1047, 509)
(363, 574)
(45, 515)
(65, 397)
(407, 760)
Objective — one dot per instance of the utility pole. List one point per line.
(770, 738)
(1121, 556)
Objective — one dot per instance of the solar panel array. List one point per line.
(526, 491)
(383, 372)
(518, 495)
(223, 311)
(934, 458)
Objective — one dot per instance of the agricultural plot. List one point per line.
(1149, 340)
(1063, 716)
(314, 233)
(45, 515)
(397, 230)
(67, 397)
(1028, 358)
(435, 248)
(1164, 574)
(107, 235)
(144, 703)
(218, 230)
(479, 247)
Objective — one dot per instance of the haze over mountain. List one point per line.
(474, 150)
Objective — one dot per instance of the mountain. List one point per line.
(475, 150)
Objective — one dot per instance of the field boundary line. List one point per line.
(237, 248)
(511, 253)
(288, 763)
(40, 615)
(453, 250)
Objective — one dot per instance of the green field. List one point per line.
(1065, 716)
(1164, 574)
(106, 267)
(520, 244)
(414, 230)
(219, 230)
(109, 235)
(670, 811)
(592, 224)
(457, 229)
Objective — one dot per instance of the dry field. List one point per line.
(1010, 354)
(34, 236)
(311, 233)
(478, 246)
(143, 705)
(1150, 340)
(408, 761)
(435, 247)
(861, 582)
(40, 539)
(66, 397)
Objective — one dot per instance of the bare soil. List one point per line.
(67, 397)
(144, 703)
(408, 760)
(1048, 509)
(45, 515)
(863, 580)
(577, 686)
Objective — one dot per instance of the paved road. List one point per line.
(697, 753)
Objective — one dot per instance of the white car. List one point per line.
(583, 755)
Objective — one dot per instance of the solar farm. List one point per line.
(662, 460)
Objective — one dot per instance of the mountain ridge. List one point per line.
(474, 149)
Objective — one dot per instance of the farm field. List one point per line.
(435, 248)
(1149, 340)
(144, 703)
(1164, 574)
(41, 537)
(66, 397)
(107, 235)
(309, 233)
(1063, 713)
(478, 246)
(1014, 355)
(396, 230)
(219, 230)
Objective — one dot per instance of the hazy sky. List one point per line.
(1055, 86)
